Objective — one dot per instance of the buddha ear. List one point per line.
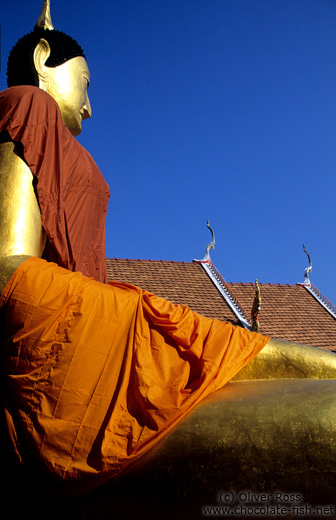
(41, 54)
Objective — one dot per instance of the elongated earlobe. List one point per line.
(40, 56)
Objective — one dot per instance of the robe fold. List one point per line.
(99, 373)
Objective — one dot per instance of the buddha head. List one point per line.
(53, 61)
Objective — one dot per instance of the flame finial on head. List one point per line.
(44, 21)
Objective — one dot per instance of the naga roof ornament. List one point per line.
(44, 21)
(314, 291)
(211, 245)
(255, 325)
(221, 284)
(308, 269)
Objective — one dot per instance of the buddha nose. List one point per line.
(86, 110)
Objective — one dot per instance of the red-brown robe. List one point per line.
(72, 193)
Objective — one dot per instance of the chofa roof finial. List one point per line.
(211, 245)
(308, 269)
(44, 21)
(206, 257)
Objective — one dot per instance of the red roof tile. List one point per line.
(287, 311)
(290, 312)
(179, 282)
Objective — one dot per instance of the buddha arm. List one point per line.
(21, 232)
(285, 360)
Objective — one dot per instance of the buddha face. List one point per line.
(68, 84)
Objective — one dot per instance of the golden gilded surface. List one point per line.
(21, 232)
(67, 84)
(285, 359)
(276, 438)
(44, 20)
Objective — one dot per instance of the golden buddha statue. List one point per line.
(270, 430)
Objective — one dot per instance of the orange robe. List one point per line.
(98, 373)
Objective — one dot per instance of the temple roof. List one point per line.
(289, 312)
(179, 282)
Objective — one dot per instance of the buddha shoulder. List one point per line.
(24, 101)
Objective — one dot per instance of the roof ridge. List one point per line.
(150, 260)
(275, 284)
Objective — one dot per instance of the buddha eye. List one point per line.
(87, 82)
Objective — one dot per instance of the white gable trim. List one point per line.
(320, 298)
(224, 290)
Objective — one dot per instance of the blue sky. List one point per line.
(210, 109)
